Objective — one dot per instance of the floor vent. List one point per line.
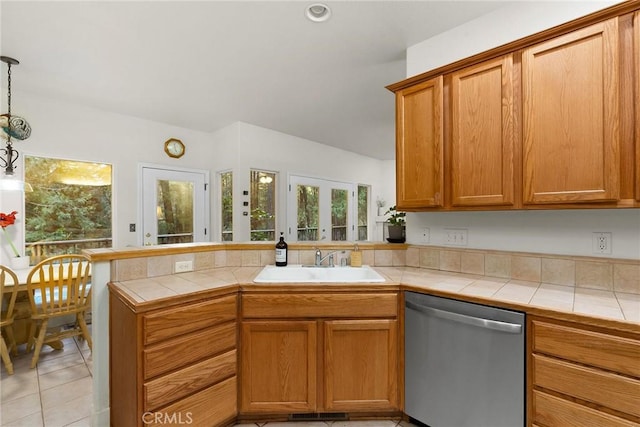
(319, 416)
(334, 416)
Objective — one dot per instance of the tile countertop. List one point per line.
(523, 295)
(515, 294)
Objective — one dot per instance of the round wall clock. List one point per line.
(174, 148)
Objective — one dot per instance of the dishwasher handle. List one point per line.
(496, 325)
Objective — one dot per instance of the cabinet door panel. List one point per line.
(419, 145)
(605, 351)
(169, 355)
(552, 411)
(267, 305)
(278, 366)
(593, 385)
(482, 134)
(170, 323)
(571, 119)
(214, 406)
(179, 384)
(361, 365)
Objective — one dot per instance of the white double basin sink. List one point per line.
(314, 274)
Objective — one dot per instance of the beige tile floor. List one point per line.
(58, 392)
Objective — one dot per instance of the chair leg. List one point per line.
(12, 347)
(84, 329)
(5, 356)
(39, 342)
(31, 335)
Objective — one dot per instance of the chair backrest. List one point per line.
(9, 286)
(60, 284)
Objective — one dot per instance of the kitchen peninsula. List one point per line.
(597, 324)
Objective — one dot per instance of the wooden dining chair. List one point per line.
(58, 286)
(8, 287)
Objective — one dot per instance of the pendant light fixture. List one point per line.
(12, 127)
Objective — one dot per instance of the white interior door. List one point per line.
(174, 206)
(320, 210)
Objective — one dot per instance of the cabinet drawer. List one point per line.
(170, 323)
(205, 408)
(187, 349)
(551, 411)
(600, 387)
(320, 305)
(592, 348)
(184, 382)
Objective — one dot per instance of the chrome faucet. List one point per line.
(320, 258)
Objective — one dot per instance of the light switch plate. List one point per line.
(455, 236)
(183, 266)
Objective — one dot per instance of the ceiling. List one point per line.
(203, 65)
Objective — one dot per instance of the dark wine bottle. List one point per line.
(281, 252)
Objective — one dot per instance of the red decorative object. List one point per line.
(5, 221)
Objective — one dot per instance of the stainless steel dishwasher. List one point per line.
(464, 363)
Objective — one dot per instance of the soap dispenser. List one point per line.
(356, 257)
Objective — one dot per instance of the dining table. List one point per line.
(22, 308)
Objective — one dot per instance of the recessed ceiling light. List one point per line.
(318, 12)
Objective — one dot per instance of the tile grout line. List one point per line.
(40, 394)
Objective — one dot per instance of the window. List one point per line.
(263, 205)
(174, 211)
(339, 212)
(70, 207)
(322, 209)
(226, 205)
(363, 212)
(308, 213)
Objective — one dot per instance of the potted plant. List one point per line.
(396, 225)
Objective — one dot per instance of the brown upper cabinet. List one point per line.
(419, 146)
(549, 121)
(571, 117)
(482, 139)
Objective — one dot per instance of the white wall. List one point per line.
(566, 232)
(562, 232)
(511, 22)
(69, 131)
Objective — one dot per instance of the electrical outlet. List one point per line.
(183, 266)
(455, 236)
(425, 235)
(602, 242)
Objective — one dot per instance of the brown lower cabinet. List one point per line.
(321, 352)
(310, 353)
(583, 376)
(175, 364)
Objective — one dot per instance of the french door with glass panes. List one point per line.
(174, 206)
(319, 210)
